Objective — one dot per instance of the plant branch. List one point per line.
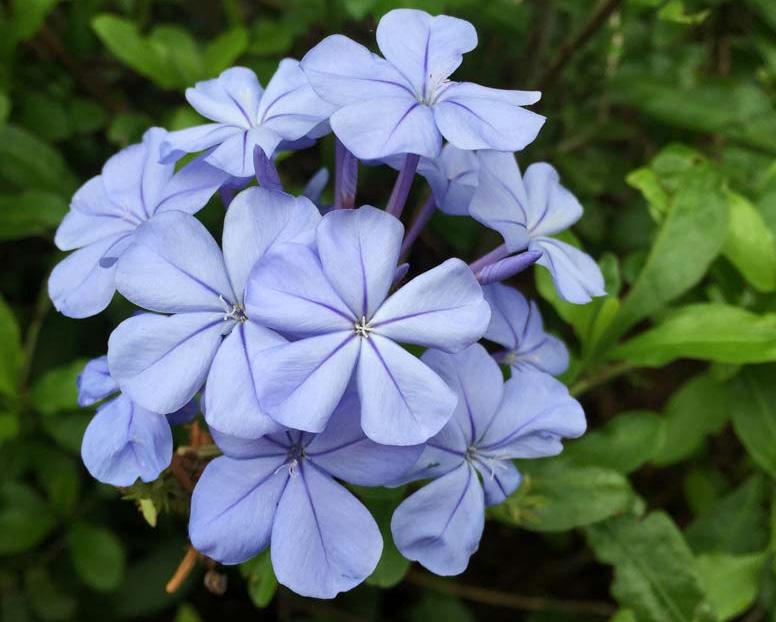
(601, 376)
(577, 42)
(508, 600)
(42, 306)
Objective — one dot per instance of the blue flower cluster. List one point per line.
(290, 335)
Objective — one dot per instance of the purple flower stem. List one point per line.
(497, 253)
(422, 215)
(402, 186)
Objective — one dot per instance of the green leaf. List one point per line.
(222, 52)
(699, 408)
(689, 239)
(647, 182)
(654, 570)
(731, 582)
(25, 519)
(675, 11)
(49, 601)
(10, 351)
(750, 244)
(260, 578)
(706, 331)
(557, 495)
(754, 414)
(59, 475)
(187, 613)
(67, 429)
(440, 607)
(29, 15)
(57, 390)
(30, 213)
(179, 51)
(122, 38)
(392, 566)
(28, 163)
(625, 443)
(97, 555)
(734, 524)
(272, 38)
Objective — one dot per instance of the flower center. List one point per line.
(490, 463)
(362, 328)
(233, 312)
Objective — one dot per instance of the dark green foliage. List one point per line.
(662, 121)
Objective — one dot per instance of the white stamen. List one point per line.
(362, 327)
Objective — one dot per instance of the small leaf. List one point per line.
(392, 565)
(700, 407)
(57, 390)
(734, 524)
(149, 511)
(731, 582)
(654, 570)
(750, 245)
(97, 555)
(29, 15)
(754, 414)
(625, 443)
(30, 213)
(223, 51)
(706, 331)
(261, 580)
(10, 351)
(28, 163)
(557, 495)
(25, 519)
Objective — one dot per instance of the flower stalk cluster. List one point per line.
(290, 336)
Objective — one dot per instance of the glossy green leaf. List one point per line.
(689, 239)
(97, 555)
(625, 443)
(30, 213)
(557, 495)
(10, 351)
(25, 519)
(754, 414)
(750, 245)
(654, 571)
(734, 523)
(731, 581)
(700, 407)
(260, 578)
(710, 332)
(57, 389)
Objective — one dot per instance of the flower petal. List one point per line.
(500, 478)
(343, 451)
(476, 117)
(453, 177)
(231, 403)
(500, 200)
(162, 361)
(441, 524)
(301, 383)
(195, 139)
(377, 128)
(290, 106)
(257, 219)
(536, 412)
(323, 541)
(134, 178)
(234, 505)
(235, 154)
(344, 72)
(477, 381)
(576, 276)
(272, 445)
(232, 98)
(359, 250)
(442, 308)
(173, 266)
(190, 189)
(403, 402)
(78, 286)
(288, 292)
(125, 442)
(517, 325)
(551, 208)
(95, 382)
(425, 49)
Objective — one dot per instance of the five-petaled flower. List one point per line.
(405, 103)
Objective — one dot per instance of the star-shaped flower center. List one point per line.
(362, 327)
(233, 312)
